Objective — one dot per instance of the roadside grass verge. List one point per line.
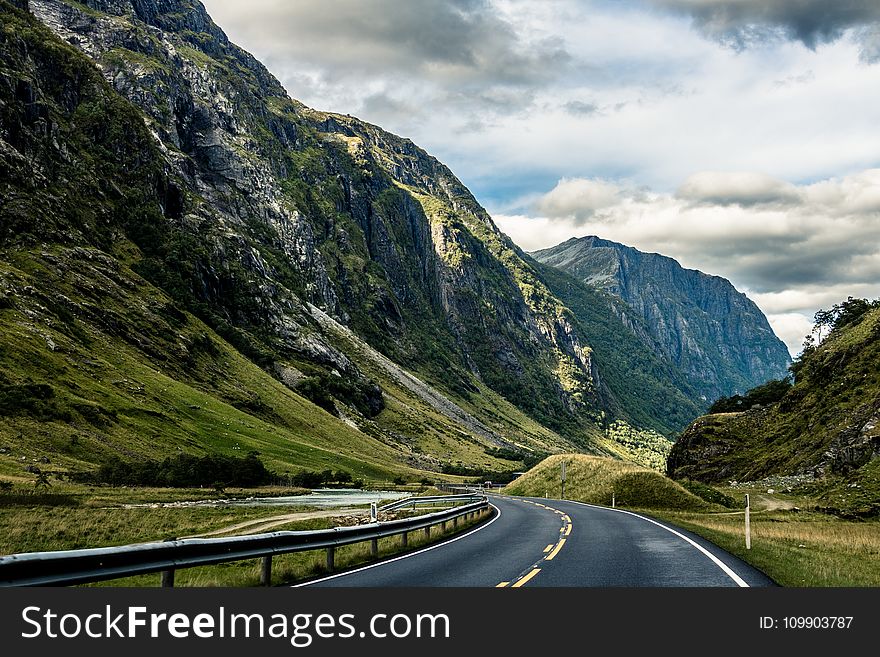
(44, 528)
(805, 549)
(97, 519)
(792, 541)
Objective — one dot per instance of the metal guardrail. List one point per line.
(430, 500)
(97, 564)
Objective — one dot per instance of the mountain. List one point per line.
(193, 261)
(645, 388)
(714, 334)
(825, 430)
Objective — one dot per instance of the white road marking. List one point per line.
(404, 556)
(723, 566)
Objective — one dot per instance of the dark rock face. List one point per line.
(277, 208)
(715, 334)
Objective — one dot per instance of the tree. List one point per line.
(342, 477)
(841, 314)
(826, 322)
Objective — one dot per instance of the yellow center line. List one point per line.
(556, 550)
(566, 518)
(548, 548)
(502, 585)
(568, 530)
(525, 579)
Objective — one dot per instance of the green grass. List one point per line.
(39, 528)
(85, 9)
(94, 517)
(593, 479)
(296, 566)
(153, 386)
(835, 395)
(795, 549)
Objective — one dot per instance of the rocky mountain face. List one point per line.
(646, 389)
(343, 262)
(714, 334)
(294, 207)
(824, 433)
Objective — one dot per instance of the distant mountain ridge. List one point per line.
(716, 335)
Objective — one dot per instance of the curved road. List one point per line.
(538, 542)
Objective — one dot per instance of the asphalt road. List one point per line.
(537, 542)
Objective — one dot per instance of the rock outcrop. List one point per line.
(715, 335)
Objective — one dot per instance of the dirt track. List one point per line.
(265, 524)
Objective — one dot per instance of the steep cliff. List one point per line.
(331, 211)
(343, 263)
(714, 334)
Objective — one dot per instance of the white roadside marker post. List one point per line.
(562, 497)
(748, 525)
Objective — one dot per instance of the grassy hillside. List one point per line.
(127, 324)
(127, 374)
(825, 427)
(593, 479)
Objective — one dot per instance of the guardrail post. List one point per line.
(443, 526)
(404, 541)
(374, 548)
(427, 532)
(455, 523)
(266, 571)
(331, 559)
(167, 578)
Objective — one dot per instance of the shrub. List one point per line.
(182, 471)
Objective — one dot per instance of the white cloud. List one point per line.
(737, 188)
(791, 328)
(816, 246)
(578, 199)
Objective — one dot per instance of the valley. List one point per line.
(199, 272)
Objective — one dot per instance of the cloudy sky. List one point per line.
(741, 137)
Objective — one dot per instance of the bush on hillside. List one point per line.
(767, 393)
(652, 491)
